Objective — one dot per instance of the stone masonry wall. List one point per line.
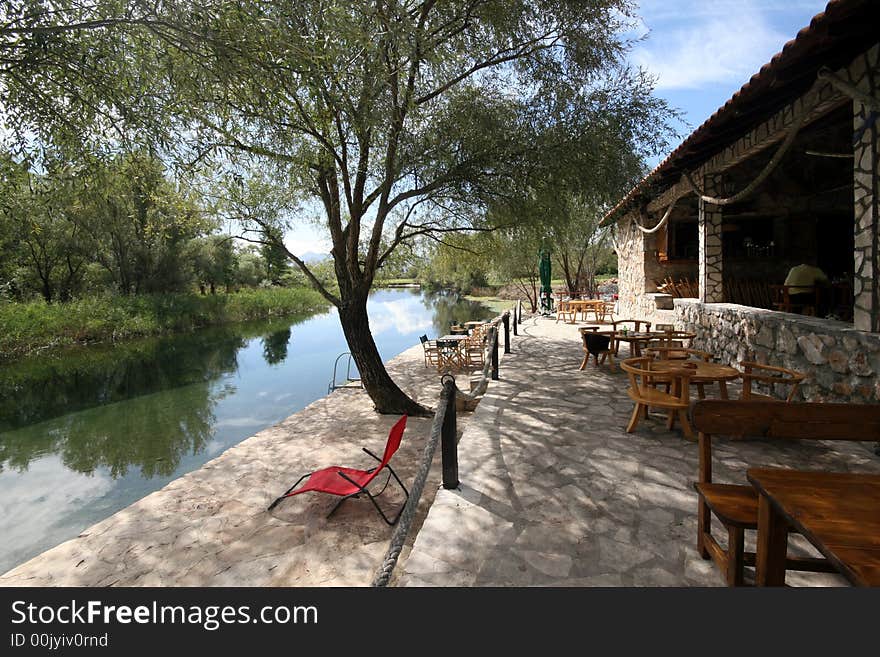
(630, 267)
(841, 362)
(710, 219)
(864, 73)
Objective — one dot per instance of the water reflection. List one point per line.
(84, 433)
(275, 346)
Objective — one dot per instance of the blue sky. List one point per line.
(700, 51)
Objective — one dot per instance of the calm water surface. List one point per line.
(87, 432)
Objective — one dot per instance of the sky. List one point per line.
(700, 51)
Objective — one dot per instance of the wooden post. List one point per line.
(449, 437)
(495, 354)
(519, 305)
(506, 319)
(515, 320)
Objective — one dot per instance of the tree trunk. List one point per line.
(386, 395)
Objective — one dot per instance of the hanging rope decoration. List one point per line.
(824, 74)
(661, 223)
(761, 177)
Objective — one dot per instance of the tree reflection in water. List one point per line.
(275, 346)
(74, 404)
(449, 308)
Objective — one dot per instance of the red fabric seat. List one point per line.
(351, 482)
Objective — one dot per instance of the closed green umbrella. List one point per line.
(546, 290)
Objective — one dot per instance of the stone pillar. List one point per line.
(711, 282)
(864, 72)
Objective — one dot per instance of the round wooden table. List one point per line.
(703, 373)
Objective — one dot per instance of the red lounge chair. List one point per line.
(349, 482)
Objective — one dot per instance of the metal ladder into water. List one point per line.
(349, 379)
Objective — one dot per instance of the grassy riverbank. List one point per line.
(496, 304)
(32, 326)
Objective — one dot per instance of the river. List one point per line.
(85, 432)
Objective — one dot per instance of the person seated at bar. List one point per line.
(801, 282)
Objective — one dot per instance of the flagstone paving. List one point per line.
(555, 493)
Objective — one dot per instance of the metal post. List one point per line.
(495, 355)
(515, 321)
(506, 319)
(449, 437)
(519, 305)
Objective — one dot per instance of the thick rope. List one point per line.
(661, 223)
(850, 90)
(398, 538)
(408, 514)
(793, 129)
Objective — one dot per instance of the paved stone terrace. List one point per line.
(555, 493)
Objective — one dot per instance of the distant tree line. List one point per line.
(123, 226)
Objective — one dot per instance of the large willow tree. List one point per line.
(398, 119)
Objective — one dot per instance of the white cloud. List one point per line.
(36, 504)
(707, 43)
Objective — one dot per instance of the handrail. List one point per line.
(443, 426)
(348, 378)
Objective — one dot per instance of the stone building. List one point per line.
(786, 172)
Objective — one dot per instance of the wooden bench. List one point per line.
(736, 506)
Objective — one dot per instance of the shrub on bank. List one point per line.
(31, 326)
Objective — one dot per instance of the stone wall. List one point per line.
(864, 72)
(630, 245)
(841, 362)
(710, 272)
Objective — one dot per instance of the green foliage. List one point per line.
(461, 264)
(26, 327)
(214, 262)
(139, 223)
(396, 120)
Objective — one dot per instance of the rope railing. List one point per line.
(443, 427)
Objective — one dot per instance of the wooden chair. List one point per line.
(432, 354)
(605, 312)
(643, 391)
(597, 344)
(770, 375)
(473, 350)
(807, 303)
(636, 324)
(736, 506)
(564, 311)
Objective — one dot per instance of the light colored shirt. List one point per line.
(804, 278)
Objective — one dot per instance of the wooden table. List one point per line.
(449, 352)
(839, 513)
(584, 306)
(637, 338)
(703, 373)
